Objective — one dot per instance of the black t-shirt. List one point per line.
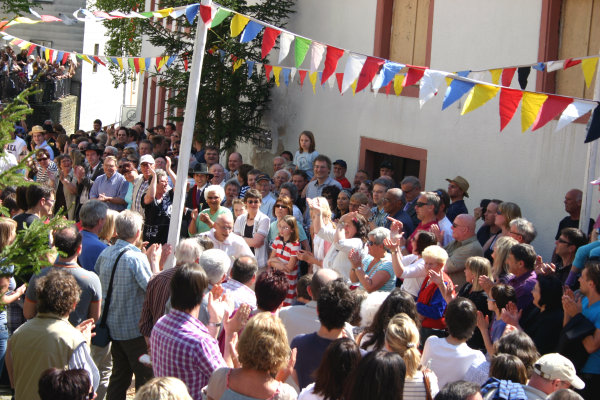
(568, 222)
(24, 218)
(157, 219)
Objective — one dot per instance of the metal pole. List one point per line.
(187, 136)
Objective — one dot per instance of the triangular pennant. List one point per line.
(316, 55)
(367, 73)
(523, 76)
(575, 110)
(553, 106)
(593, 128)
(31, 48)
(252, 29)
(276, 72)
(554, 65)
(354, 65)
(387, 73)
(429, 84)
(302, 73)
(238, 63)
(120, 62)
(96, 58)
(388, 88)
(455, 91)
(185, 63)
(165, 12)
(158, 63)
(331, 61)
(191, 11)
(268, 69)
(532, 103)
(284, 45)
(331, 81)
(319, 76)
(413, 76)
(399, 84)
(258, 69)
(51, 55)
(65, 58)
(47, 54)
(507, 76)
(114, 61)
(85, 58)
(539, 66)
(269, 38)
(131, 62)
(300, 49)
(171, 60)
(59, 56)
(292, 73)
(496, 73)
(250, 68)
(238, 23)
(219, 17)
(569, 62)
(207, 13)
(136, 63)
(353, 86)
(339, 77)
(313, 76)
(509, 102)
(480, 95)
(176, 13)
(588, 66)
(286, 76)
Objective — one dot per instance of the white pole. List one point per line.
(187, 136)
(592, 156)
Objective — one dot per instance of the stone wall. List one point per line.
(63, 111)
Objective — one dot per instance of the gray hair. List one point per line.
(216, 263)
(292, 189)
(564, 394)
(286, 172)
(411, 180)
(161, 173)
(112, 150)
(217, 189)
(379, 234)
(128, 224)
(233, 182)
(188, 251)
(433, 199)
(524, 228)
(92, 212)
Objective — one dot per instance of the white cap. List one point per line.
(147, 158)
(555, 366)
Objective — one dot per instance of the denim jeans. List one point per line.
(3, 341)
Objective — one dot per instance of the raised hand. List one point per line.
(483, 322)
(510, 314)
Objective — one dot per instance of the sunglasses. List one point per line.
(42, 159)
(420, 204)
(280, 206)
(564, 242)
(253, 202)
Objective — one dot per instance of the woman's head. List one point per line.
(165, 388)
(306, 142)
(501, 251)
(423, 240)
(343, 201)
(519, 344)
(108, 229)
(290, 190)
(243, 174)
(339, 361)
(435, 257)
(263, 345)
(271, 287)
(355, 226)
(547, 293)
(8, 231)
(325, 209)
(509, 368)
(288, 228)
(252, 199)
(476, 267)
(331, 194)
(239, 207)
(214, 195)
(507, 211)
(283, 206)
(402, 337)
(378, 375)
(375, 243)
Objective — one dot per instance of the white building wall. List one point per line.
(532, 169)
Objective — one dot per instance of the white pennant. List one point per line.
(477, 75)
(331, 81)
(117, 13)
(554, 65)
(316, 55)
(352, 70)
(292, 73)
(177, 13)
(573, 111)
(429, 85)
(284, 45)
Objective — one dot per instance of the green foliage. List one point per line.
(15, 7)
(230, 106)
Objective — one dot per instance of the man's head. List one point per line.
(459, 390)
(569, 241)
(244, 270)
(92, 155)
(40, 197)
(37, 134)
(321, 167)
(188, 251)
(386, 168)
(521, 259)
(280, 177)
(300, 179)
(146, 163)
(427, 206)
(216, 263)
(590, 279)
(170, 129)
(122, 135)
(234, 161)
(380, 187)
(278, 163)
(57, 293)
(335, 305)
(145, 147)
(463, 227)
(188, 286)
(489, 217)
(444, 202)
(522, 230)
(411, 187)
(392, 201)
(553, 372)
(92, 214)
(223, 226)
(252, 175)
(68, 241)
(263, 184)
(339, 169)
(360, 176)
(319, 280)
(271, 289)
(110, 166)
(461, 318)
(132, 136)
(218, 173)
(457, 188)
(129, 225)
(97, 125)
(573, 202)
(211, 155)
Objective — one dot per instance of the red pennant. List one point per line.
(65, 58)
(331, 61)
(507, 76)
(99, 61)
(553, 106)
(206, 14)
(185, 63)
(136, 64)
(340, 79)
(268, 69)
(509, 101)
(158, 63)
(50, 54)
(570, 62)
(17, 42)
(31, 48)
(269, 38)
(413, 76)
(50, 18)
(3, 25)
(302, 73)
(368, 71)
(388, 88)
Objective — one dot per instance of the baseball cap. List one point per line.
(555, 366)
(147, 158)
(263, 177)
(341, 163)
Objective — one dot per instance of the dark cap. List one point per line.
(263, 177)
(341, 163)
(201, 169)
(386, 164)
(94, 147)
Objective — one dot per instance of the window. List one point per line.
(406, 160)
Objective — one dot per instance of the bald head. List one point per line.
(573, 203)
(463, 227)
(223, 226)
(321, 278)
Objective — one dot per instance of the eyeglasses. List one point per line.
(371, 243)
(280, 206)
(253, 202)
(420, 204)
(284, 228)
(212, 197)
(515, 233)
(559, 240)
(42, 159)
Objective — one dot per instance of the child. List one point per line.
(306, 154)
(283, 255)
(239, 208)
(501, 295)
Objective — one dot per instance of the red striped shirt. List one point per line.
(285, 251)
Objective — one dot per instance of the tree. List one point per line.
(16, 7)
(230, 106)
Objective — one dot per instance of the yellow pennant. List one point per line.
(313, 80)
(142, 64)
(398, 80)
(353, 86)
(480, 94)
(47, 54)
(238, 23)
(589, 67)
(83, 56)
(496, 74)
(163, 13)
(238, 63)
(276, 72)
(25, 20)
(120, 62)
(532, 102)
(163, 61)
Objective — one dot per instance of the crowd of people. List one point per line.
(288, 283)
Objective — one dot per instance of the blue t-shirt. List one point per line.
(592, 366)
(311, 348)
(91, 247)
(584, 253)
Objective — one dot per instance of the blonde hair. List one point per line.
(165, 388)
(108, 229)
(325, 210)
(435, 253)
(263, 345)
(8, 230)
(501, 250)
(402, 337)
(479, 266)
(510, 211)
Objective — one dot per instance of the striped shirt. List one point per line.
(284, 251)
(158, 292)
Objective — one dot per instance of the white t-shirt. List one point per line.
(16, 147)
(414, 273)
(449, 362)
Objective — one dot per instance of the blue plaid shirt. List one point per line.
(129, 288)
